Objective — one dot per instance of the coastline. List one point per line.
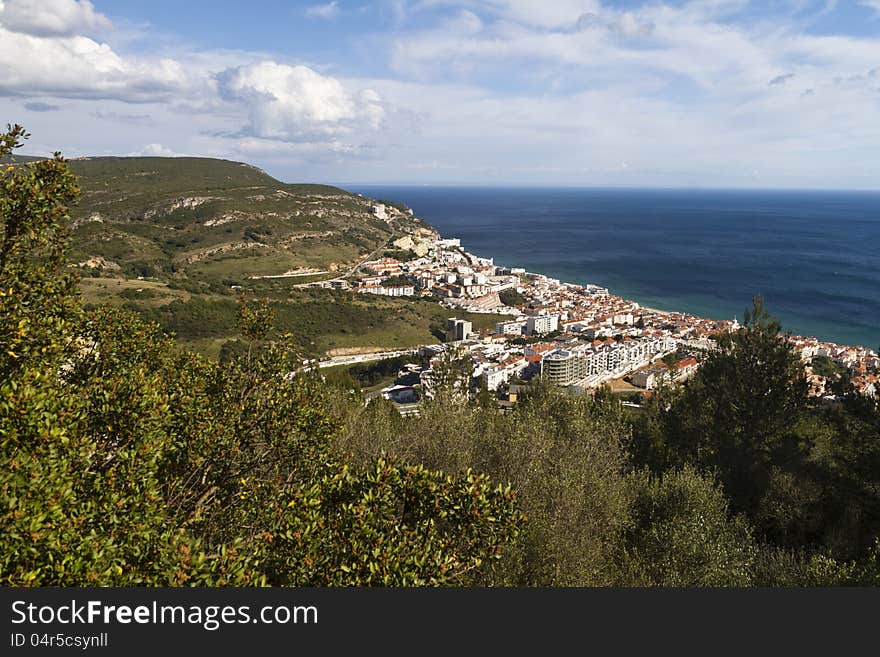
(807, 344)
(656, 310)
(682, 251)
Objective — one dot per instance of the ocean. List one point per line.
(813, 255)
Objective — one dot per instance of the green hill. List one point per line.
(19, 159)
(177, 239)
(215, 222)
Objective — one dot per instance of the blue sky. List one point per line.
(703, 93)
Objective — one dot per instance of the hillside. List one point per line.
(216, 223)
(19, 159)
(178, 239)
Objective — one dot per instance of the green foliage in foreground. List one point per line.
(126, 461)
(807, 476)
(140, 465)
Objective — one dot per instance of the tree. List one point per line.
(126, 462)
(37, 290)
(564, 457)
(391, 526)
(739, 414)
(846, 457)
(450, 375)
(512, 297)
(681, 534)
(485, 398)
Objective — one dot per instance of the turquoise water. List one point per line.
(814, 256)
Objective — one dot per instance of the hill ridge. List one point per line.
(215, 222)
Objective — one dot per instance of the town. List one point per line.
(579, 337)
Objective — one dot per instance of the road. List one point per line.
(365, 358)
(351, 270)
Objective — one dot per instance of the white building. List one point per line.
(564, 366)
(542, 324)
(510, 328)
(595, 363)
(649, 378)
(458, 329)
(392, 291)
(495, 376)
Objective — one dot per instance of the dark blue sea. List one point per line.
(814, 256)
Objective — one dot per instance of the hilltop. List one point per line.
(218, 222)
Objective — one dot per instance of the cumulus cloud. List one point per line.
(327, 12)
(296, 103)
(79, 67)
(52, 17)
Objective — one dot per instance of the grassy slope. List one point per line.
(320, 321)
(215, 221)
(131, 215)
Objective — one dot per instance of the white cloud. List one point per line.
(79, 67)
(459, 133)
(626, 24)
(327, 12)
(568, 92)
(547, 15)
(295, 103)
(156, 150)
(52, 17)
(38, 106)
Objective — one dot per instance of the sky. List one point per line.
(676, 93)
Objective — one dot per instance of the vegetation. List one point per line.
(368, 375)
(824, 366)
(396, 281)
(317, 321)
(785, 461)
(511, 297)
(208, 226)
(196, 218)
(125, 460)
(178, 240)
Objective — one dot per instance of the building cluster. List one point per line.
(861, 364)
(572, 335)
(489, 364)
(590, 364)
(447, 272)
(387, 290)
(650, 378)
(385, 279)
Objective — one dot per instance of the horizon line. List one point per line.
(493, 185)
(644, 187)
